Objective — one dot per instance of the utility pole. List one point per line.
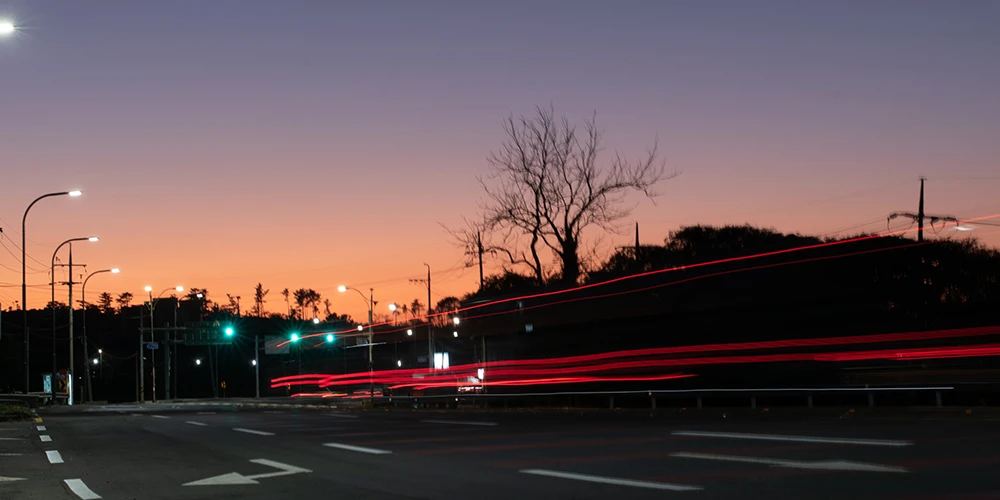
(72, 382)
(479, 250)
(140, 385)
(430, 331)
(920, 216)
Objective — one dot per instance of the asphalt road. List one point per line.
(154, 452)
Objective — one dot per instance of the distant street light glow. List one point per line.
(361, 328)
(179, 288)
(409, 332)
(75, 192)
(456, 320)
(455, 334)
(115, 270)
(392, 307)
(148, 288)
(93, 238)
(253, 362)
(315, 321)
(197, 362)
(399, 363)
(341, 288)
(96, 361)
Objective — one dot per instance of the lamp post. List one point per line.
(55, 368)
(371, 314)
(24, 271)
(86, 351)
(152, 330)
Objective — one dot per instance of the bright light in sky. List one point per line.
(7, 27)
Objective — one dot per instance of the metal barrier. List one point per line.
(585, 399)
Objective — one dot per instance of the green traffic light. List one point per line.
(295, 337)
(329, 338)
(229, 331)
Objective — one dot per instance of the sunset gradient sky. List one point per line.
(312, 144)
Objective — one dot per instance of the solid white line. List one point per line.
(611, 480)
(361, 449)
(251, 431)
(206, 413)
(200, 424)
(11, 439)
(45, 438)
(41, 428)
(10, 454)
(81, 490)
(460, 422)
(797, 439)
(54, 457)
(159, 416)
(845, 465)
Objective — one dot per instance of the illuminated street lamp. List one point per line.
(371, 314)
(7, 27)
(392, 307)
(10, 28)
(315, 321)
(456, 320)
(53, 271)
(197, 362)
(83, 298)
(409, 332)
(454, 334)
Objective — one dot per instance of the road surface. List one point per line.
(161, 452)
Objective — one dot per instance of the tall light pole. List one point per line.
(86, 351)
(371, 314)
(152, 330)
(24, 274)
(55, 368)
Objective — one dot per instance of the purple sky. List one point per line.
(309, 144)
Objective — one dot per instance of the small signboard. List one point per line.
(152, 346)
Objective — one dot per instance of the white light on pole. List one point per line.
(96, 361)
(253, 362)
(7, 27)
(409, 332)
(197, 362)
(74, 193)
(392, 307)
(399, 363)
(341, 288)
(115, 270)
(361, 328)
(456, 320)
(454, 334)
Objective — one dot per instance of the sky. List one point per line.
(313, 144)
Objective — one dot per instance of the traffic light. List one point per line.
(229, 331)
(294, 337)
(329, 338)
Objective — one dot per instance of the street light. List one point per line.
(152, 333)
(315, 321)
(53, 285)
(371, 315)
(392, 307)
(83, 298)
(456, 320)
(197, 362)
(96, 361)
(454, 334)
(253, 362)
(409, 333)
(24, 272)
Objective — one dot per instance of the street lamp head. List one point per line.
(197, 362)
(148, 288)
(341, 288)
(100, 351)
(456, 320)
(200, 296)
(7, 27)
(179, 288)
(392, 307)
(96, 361)
(315, 321)
(409, 332)
(115, 270)
(253, 362)
(74, 193)
(93, 238)
(454, 334)
(399, 363)
(361, 328)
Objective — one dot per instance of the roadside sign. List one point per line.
(153, 346)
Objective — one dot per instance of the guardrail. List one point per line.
(696, 398)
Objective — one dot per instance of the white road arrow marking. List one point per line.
(237, 478)
(844, 465)
(10, 479)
